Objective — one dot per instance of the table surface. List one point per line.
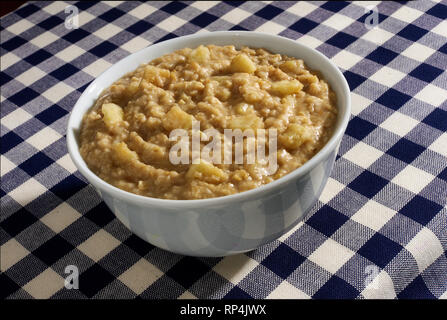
(377, 231)
(8, 6)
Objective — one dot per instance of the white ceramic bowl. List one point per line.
(234, 223)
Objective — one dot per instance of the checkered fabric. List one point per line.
(379, 230)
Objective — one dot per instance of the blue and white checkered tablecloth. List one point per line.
(379, 229)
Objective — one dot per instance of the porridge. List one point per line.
(125, 138)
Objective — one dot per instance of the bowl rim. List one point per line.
(324, 152)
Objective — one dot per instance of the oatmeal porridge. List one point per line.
(125, 138)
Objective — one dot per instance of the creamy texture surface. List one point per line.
(124, 137)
